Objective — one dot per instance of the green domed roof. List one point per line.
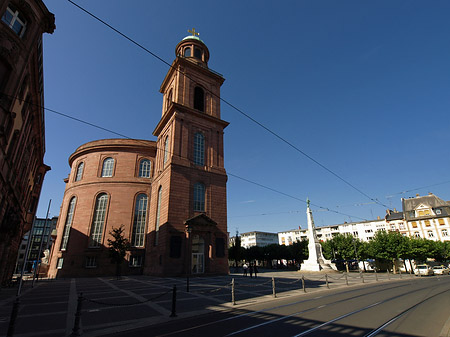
(191, 37)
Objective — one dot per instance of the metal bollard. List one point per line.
(362, 278)
(326, 280)
(232, 292)
(389, 276)
(187, 283)
(303, 284)
(376, 275)
(12, 321)
(400, 272)
(174, 302)
(273, 287)
(346, 279)
(76, 326)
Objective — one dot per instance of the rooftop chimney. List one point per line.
(395, 210)
(378, 217)
(417, 195)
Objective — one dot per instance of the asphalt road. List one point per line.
(332, 305)
(409, 307)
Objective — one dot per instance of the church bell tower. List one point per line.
(188, 228)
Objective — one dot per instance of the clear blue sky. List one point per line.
(360, 86)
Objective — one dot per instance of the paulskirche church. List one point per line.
(169, 194)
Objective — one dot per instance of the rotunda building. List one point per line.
(108, 187)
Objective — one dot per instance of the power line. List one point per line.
(416, 189)
(291, 196)
(284, 140)
(157, 148)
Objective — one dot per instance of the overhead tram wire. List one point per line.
(416, 189)
(145, 143)
(292, 197)
(233, 107)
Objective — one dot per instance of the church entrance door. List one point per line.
(198, 255)
(198, 263)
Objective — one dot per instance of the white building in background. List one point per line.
(259, 239)
(425, 217)
(364, 230)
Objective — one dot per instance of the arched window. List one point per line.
(187, 52)
(68, 224)
(199, 99)
(140, 216)
(158, 213)
(199, 149)
(108, 167)
(166, 150)
(145, 167)
(98, 220)
(199, 197)
(169, 99)
(198, 53)
(79, 171)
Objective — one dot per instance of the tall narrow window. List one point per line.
(187, 52)
(140, 216)
(199, 197)
(169, 99)
(166, 149)
(14, 20)
(199, 99)
(98, 220)
(68, 223)
(79, 171)
(145, 167)
(158, 214)
(198, 53)
(199, 149)
(108, 167)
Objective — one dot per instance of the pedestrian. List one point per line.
(250, 269)
(255, 270)
(245, 267)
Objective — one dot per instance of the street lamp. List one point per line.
(356, 254)
(188, 257)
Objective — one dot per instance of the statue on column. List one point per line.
(316, 261)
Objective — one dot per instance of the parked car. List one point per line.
(441, 270)
(424, 269)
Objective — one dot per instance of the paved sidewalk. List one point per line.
(110, 305)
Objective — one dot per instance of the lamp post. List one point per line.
(356, 254)
(188, 257)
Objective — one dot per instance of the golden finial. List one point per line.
(193, 32)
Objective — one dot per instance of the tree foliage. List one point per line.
(385, 247)
(118, 246)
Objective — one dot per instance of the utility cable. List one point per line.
(284, 140)
(157, 148)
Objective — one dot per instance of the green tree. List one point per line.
(389, 246)
(299, 251)
(419, 250)
(255, 253)
(344, 247)
(118, 246)
(236, 253)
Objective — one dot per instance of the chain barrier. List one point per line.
(295, 281)
(126, 304)
(209, 291)
(335, 278)
(252, 285)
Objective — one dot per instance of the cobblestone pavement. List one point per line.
(110, 305)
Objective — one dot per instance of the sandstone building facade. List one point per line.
(169, 194)
(22, 141)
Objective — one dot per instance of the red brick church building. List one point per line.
(169, 194)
